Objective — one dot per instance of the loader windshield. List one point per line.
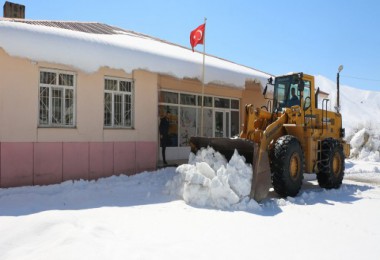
(286, 93)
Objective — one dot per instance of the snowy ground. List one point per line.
(138, 217)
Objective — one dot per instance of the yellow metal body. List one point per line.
(309, 124)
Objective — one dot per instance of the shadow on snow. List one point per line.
(312, 194)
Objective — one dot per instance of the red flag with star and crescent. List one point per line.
(197, 36)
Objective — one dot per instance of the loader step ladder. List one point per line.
(324, 113)
(319, 154)
(320, 151)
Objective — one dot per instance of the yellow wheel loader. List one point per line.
(287, 138)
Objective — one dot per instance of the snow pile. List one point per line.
(210, 181)
(365, 145)
(127, 51)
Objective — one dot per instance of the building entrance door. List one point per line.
(221, 123)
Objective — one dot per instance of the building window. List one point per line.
(118, 103)
(187, 99)
(235, 104)
(222, 102)
(207, 101)
(57, 95)
(186, 114)
(168, 97)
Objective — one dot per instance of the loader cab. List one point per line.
(291, 90)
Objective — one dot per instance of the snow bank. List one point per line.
(208, 180)
(128, 51)
(365, 145)
(114, 191)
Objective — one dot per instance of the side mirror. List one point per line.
(270, 82)
(307, 104)
(265, 90)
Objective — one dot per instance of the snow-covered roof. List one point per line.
(87, 27)
(89, 46)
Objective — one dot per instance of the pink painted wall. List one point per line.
(44, 163)
(146, 153)
(101, 160)
(75, 161)
(124, 158)
(16, 164)
(47, 163)
(0, 164)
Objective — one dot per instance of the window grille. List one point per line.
(118, 103)
(57, 94)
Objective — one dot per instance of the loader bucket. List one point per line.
(225, 146)
(261, 178)
(258, 158)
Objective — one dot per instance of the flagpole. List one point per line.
(203, 75)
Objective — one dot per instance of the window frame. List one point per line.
(123, 94)
(209, 106)
(54, 87)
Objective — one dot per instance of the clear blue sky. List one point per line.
(275, 36)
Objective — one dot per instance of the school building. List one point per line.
(83, 100)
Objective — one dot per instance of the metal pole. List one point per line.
(337, 97)
(203, 76)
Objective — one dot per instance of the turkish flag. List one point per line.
(197, 35)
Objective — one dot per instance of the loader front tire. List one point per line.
(287, 166)
(331, 167)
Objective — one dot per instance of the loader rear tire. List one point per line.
(287, 166)
(331, 167)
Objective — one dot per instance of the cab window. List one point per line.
(306, 94)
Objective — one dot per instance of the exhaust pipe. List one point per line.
(337, 87)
